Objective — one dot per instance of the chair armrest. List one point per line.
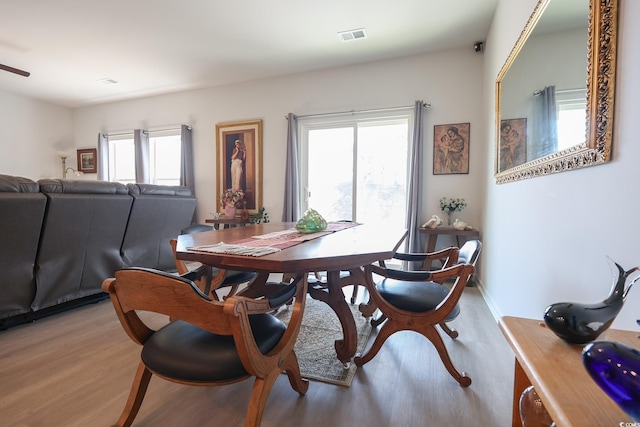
(197, 274)
(411, 276)
(421, 256)
(264, 303)
(451, 272)
(448, 256)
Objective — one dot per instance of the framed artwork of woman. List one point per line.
(239, 151)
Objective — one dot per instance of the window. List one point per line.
(572, 117)
(356, 168)
(122, 164)
(164, 158)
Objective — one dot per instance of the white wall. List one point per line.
(451, 81)
(31, 133)
(546, 238)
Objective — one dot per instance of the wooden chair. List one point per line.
(417, 301)
(210, 343)
(210, 279)
(318, 281)
(447, 257)
(468, 253)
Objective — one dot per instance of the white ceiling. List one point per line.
(159, 46)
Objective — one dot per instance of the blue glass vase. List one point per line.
(579, 323)
(615, 368)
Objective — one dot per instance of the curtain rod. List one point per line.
(424, 104)
(560, 91)
(148, 130)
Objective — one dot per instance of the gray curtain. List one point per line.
(187, 173)
(544, 127)
(291, 209)
(103, 157)
(141, 147)
(416, 174)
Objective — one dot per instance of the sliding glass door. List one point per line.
(356, 169)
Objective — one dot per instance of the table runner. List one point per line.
(269, 243)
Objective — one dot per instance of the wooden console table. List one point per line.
(227, 222)
(450, 231)
(554, 367)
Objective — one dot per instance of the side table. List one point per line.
(555, 369)
(227, 222)
(433, 234)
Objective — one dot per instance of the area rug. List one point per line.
(315, 345)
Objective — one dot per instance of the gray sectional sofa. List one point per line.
(61, 238)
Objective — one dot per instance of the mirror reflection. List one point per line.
(544, 92)
(547, 62)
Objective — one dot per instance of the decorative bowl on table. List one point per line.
(615, 367)
(311, 222)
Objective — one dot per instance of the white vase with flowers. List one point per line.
(449, 206)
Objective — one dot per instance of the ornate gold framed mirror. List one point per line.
(555, 92)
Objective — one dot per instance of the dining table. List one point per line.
(346, 247)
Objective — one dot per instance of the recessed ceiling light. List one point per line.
(351, 35)
(107, 81)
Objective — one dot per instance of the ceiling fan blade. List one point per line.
(14, 70)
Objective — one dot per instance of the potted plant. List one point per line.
(449, 206)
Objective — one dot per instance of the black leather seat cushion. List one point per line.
(183, 351)
(416, 297)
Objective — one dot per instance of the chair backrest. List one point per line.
(140, 289)
(181, 266)
(469, 252)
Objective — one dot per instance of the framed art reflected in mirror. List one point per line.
(513, 143)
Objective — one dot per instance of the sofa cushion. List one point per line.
(81, 239)
(71, 186)
(159, 190)
(159, 214)
(17, 184)
(22, 209)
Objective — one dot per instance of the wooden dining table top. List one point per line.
(341, 250)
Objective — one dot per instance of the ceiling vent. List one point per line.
(107, 81)
(351, 35)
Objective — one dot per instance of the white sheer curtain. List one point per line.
(291, 210)
(544, 127)
(416, 180)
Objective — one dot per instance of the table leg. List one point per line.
(431, 247)
(367, 309)
(520, 383)
(334, 297)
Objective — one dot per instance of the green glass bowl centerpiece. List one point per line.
(311, 222)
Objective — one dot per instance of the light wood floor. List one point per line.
(75, 369)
